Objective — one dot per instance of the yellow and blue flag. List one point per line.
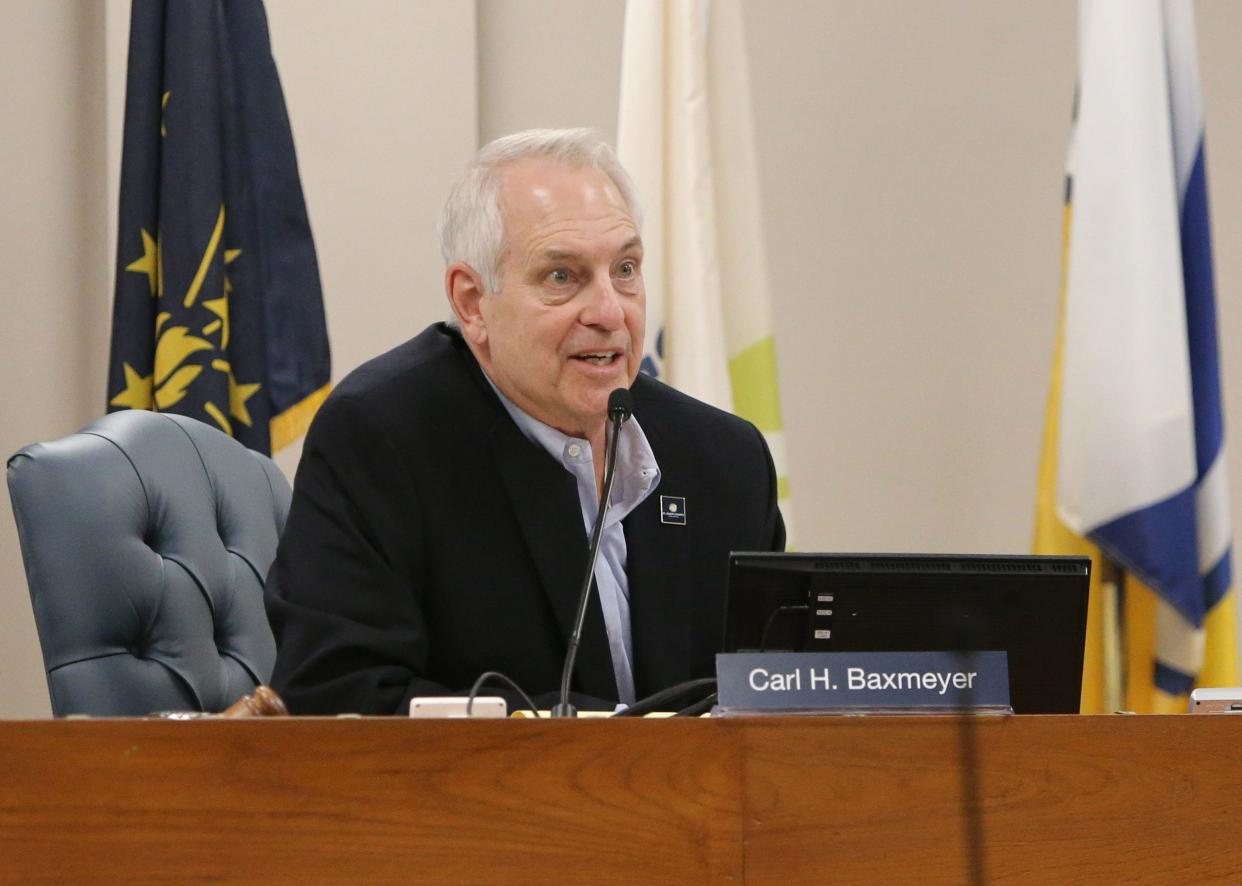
(218, 311)
(1133, 465)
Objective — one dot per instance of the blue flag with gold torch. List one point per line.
(218, 312)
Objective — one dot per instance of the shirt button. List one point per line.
(574, 450)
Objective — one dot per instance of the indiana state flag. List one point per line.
(218, 311)
(1133, 468)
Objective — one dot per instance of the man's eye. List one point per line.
(558, 277)
(627, 268)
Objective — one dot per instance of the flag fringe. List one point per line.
(294, 421)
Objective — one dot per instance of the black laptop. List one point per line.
(1033, 608)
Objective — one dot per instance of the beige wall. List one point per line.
(549, 63)
(54, 270)
(382, 97)
(911, 164)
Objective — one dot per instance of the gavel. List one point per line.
(263, 702)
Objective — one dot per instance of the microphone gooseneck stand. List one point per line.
(620, 405)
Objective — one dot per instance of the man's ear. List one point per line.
(465, 291)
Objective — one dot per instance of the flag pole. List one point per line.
(1112, 586)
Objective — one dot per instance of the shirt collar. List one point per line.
(637, 472)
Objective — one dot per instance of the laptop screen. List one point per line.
(1033, 608)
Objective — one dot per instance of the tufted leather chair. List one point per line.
(146, 539)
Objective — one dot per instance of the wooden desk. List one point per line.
(846, 800)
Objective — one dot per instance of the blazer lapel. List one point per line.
(544, 498)
(661, 589)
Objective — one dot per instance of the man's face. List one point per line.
(566, 327)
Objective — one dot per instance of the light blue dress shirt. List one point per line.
(637, 475)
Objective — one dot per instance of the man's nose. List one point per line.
(603, 307)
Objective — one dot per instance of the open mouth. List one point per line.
(600, 358)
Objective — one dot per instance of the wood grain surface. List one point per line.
(842, 800)
(996, 800)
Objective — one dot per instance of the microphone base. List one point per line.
(564, 710)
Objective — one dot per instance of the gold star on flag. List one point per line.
(137, 393)
(149, 264)
(238, 393)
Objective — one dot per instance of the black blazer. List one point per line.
(428, 541)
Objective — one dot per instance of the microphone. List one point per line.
(620, 407)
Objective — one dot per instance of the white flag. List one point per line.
(685, 134)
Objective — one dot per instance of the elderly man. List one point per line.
(441, 509)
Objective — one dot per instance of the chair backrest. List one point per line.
(147, 538)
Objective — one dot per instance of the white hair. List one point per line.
(471, 228)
